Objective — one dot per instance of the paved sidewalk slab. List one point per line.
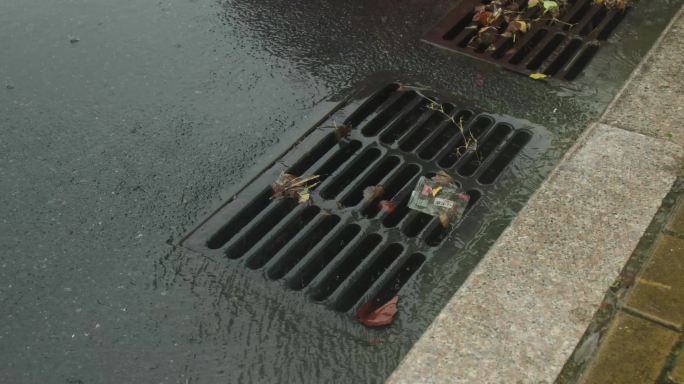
(677, 374)
(659, 289)
(633, 351)
(521, 312)
(653, 101)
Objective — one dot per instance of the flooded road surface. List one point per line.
(123, 123)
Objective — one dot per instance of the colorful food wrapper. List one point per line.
(446, 202)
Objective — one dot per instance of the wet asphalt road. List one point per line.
(123, 123)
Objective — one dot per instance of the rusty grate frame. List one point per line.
(554, 49)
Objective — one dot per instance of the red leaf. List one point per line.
(387, 206)
(380, 317)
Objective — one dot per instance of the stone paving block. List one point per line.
(676, 224)
(653, 102)
(659, 289)
(677, 374)
(633, 350)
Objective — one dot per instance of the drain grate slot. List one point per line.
(295, 254)
(386, 115)
(458, 147)
(283, 236)
(314, 155)
(350, 173)
(398, 182)
(581, 22)
(400, 277)
(341, 248)
(259, 227)
(368, 276)
(352, 260)
(508, 153)
(247, 214)
(322, 259)
(373, 178)
(479, 156)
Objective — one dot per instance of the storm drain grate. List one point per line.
(560, 50)
(342, 249)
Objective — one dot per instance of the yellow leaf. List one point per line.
(436, 191)
(538, 76)
(523, 26)
(532, 3)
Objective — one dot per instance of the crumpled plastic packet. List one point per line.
(444, 201)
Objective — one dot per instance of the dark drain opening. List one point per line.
(402, 275)
(423, 130)
(392, 188)
(458, 28)
(371, 105)
(351, 260)
(594, 22)
(528, 47)
(320, 260)
(314, 155)
(565, 56)
(353, 171)
(282, 237)
(545, 52)
(443, 136)
(484, 149)
(295, 254)
(340, 157)
(391, 134)
(578, 65)
(369, 276)
(257, 230)
(457, 149)
(239, 221)
(416, 223)
(385, 116)
(373, 178)
(508, 153)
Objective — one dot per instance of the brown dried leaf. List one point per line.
(342, 131)
(373, 192)
(443, 178)
(380, 317)
(387, 206)
(444, 219)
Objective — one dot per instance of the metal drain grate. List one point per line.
(343, 250)
(555, 49)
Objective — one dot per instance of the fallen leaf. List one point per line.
(387, 206)
(483, 18)
(443, 178)
(532, 3)
(444, 219)
(288, 185)
(373, 192)
(380, 317)
(342, 131)
(538, 76)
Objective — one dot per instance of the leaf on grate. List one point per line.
(299, 188)
(442, 178)
(538, 76)
(342, 131)
(387, 206)
(379, 317)
(373, 192)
